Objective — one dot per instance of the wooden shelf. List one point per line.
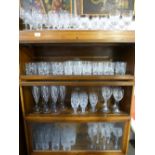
(77, 118)
(80, 153)
(74, 36)
(77, 78)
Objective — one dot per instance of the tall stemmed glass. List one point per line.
(62, 92)
(118, 94)
(54, 96)
(93, 99)
(83, 99)
(118, 134)
(75, 101)
(106, 93)
(45, 95)
(36, 96)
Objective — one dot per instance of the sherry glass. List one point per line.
(36, 96)
(31, 68)
(75, 101)
(106, 93)
(93, 99)
(45, 95)
(118, 134)
(54, 92)
(118, 94)
(120, 68)
(83, 99)
(62, 93)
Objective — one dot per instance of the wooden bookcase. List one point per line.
(62, 45)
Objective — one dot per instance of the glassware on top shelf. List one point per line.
(36, 96)
(43, 68)
(77, 67)
(86, 68)
(57, 68)
(54, 92)
(118, 94)
(62, 93)
(45, 96)
(120, 68)
(106, 94)
(93, 99)
(75, 101)
(31, 68)
(83, 100)
(108, 68)
(68, 67)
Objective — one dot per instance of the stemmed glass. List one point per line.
(75, 101)
(118, 94)
(45, 95)
(93, 99)
(62, 92)
(36, 96)
(54, 92)
(106, 93)
(117, 133)
(83, 100)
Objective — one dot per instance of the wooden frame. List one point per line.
(103, 14)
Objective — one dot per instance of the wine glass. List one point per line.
(75, 101)
(118, 94)
(106, 93)
(45, 95)
(31, 68)
(54, 92)
(117, 133)
(93, 99)
(83, 99)
(120, 68)
(62, 93)
(36, 96)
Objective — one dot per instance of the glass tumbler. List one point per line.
(68, 67)
(77, 67)
(120, 68)
(31, 68)
(86, 68)
(108, 68)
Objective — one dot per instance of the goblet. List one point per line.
(118, 134)
(93, 99)
(106, 93)
(31, 68)
(62, 93)
(118, 94)
(83, 100)
(45, 95)
(120, 68)
(36, 96)
(75, 101)
(54, 96)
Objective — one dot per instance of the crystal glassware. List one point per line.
(62, 93)
(120, 68)
(57, 68)
(54, 92)
(117, 131)
(43, 68)
(95, 68)
(45, 96)
(93, 99)
(106, 93)
(31, 68)
(77, 67)
(83, 100)
(75, 101)
(127, 18)
(68, 67)
(108, 68)
(86, 68)
(36, 96)
(118, 94)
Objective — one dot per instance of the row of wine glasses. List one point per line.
(116, 20)
(79, 98)
(46, 92)
(76, 68)
(104, 135)
(53, 136)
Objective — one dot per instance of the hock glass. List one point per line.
(54, 92)
(83, 99)
(62, 92)
(106, 93)
(75, 101)
(118, 134)
(118, 94)
(31, 68)
(36, 96)
(45, 96)
(120, 68)
(93, 99)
